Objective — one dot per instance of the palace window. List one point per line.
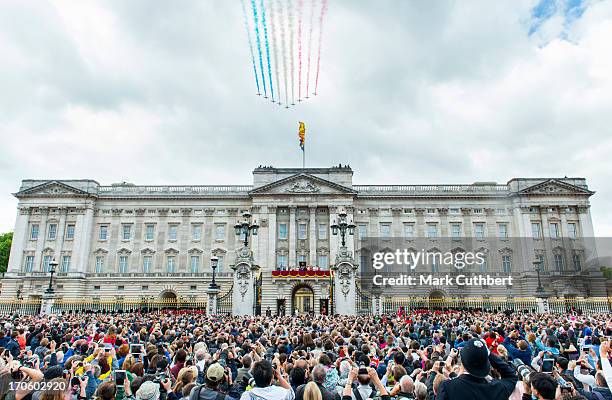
(385, 230)
(432, 230)
(559, 262)
(435, 264)
(126, 232)
(408, 231)
(484, 267)
(455, 231)
(282, 231)
(282, 261)
(541, 260)
(506, 263)
(220, 263)
(323, 262)
(536, 232)
(65, 264)
(363, 230)
(99, 264)
(502, 230)
(34, 232)
(147, 264)
(479, 230)
(123, 264)
(52, 234)
(170, 264)
(29, 263)
(69, 231)
(322, 231)
(149, 232)
(577, 262)
(46, 262)
(219, 232)
(197, 232)
(195, 264)
(554, 230)
(103, 232)
(571, 230)
(172, 232)
(302, 231)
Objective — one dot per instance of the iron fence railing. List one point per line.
(224, 301)
(363, 301)
(389, 305)
(528, 304)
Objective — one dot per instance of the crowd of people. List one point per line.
(424, 355)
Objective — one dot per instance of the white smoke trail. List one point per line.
(291, 54)
(274, 40)
(282, 23)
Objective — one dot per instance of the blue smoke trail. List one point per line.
(263, 22)
(246, 26)
(261, 68)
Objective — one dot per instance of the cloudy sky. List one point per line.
(409, 92)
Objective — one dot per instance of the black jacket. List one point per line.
(326, 394)
(468, 387)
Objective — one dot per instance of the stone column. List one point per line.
(61, 233)
(254, 240)
(344, 284)
(271, 250)
(243, 293)
(42, 236)
(333, 239)
(47, 302)
(350, 239)
(20, 238)
(292, 237)
(83, 237)
(312, 235)
(212, 293)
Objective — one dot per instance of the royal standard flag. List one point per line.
(302, 135)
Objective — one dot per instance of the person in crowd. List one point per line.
(477, 362)
(420, 354)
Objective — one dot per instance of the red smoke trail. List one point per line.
(300, 7)
(309, 45)
(323, 11)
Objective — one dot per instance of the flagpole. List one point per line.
(304, 156)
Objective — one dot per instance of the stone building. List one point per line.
(126, 241)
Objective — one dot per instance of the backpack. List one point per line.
(220, 396)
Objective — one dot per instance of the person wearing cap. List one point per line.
(477, 361)
(215, 374)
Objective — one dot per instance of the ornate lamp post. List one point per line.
(214, 262)
(246, 228)
(52, 268)
(343, 226)
(537, 264)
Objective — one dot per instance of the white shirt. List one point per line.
(268, 393)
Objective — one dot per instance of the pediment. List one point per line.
(52, 188)
(303, 184)
(554, 187)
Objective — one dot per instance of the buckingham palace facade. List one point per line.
(130, 241)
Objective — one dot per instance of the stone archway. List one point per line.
(436, 299)
(302, 299)
(168, 299)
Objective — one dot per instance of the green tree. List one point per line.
(5, 250)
